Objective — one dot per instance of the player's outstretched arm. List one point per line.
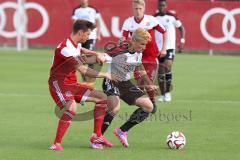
(100, 56)
(148, 84)
(85, 71)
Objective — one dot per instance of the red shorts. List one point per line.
(61, 93)
(151, 67)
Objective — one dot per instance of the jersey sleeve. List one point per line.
(160, 28)
(70, 56)
(157, 26)
(125, 34)
(177, 23)
(97, 16)
(107, 58)
(125, 29)
(126, 25)
(74, 16)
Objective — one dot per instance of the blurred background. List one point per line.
(205, 105)
(211, 25)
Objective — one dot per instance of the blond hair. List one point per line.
(140, 2)
(141, 34)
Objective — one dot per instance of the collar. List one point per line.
(74, 44)
(162, 14)
(140, 20)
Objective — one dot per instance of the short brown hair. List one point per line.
(82, 25)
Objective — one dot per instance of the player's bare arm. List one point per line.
(84, 70)
(148, 84)
(100, 56)
(182, 38)
(163, 52)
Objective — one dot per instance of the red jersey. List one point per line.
(149, 23)
(65, 59)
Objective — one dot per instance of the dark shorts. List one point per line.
(127, 91)
(169, 56)
(89, 44)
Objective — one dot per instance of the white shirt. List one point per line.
(170, 22)
(87, 13)
(149, 23)
(123, 65)
(69, 49)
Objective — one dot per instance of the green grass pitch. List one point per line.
(205, 107)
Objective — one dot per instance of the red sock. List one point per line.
(99, 114)
(63, 125)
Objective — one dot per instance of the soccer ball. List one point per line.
(176, 140)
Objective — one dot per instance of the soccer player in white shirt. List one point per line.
(170, 21)
(150, 54)
(123, 65)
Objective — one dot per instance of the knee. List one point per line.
(161, 69)
(145, 103)
(71, 106)
(168, 69)
(151, 108)
(115, 110)
(148, 108)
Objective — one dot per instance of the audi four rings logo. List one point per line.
(228, 17)
(19, 22)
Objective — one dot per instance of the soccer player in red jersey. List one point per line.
(151, 53)
(65, 90)
(86, 12)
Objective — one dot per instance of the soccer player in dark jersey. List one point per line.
(86, 12)
(170, 21)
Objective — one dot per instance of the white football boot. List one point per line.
(167, 97)
(161, 98)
